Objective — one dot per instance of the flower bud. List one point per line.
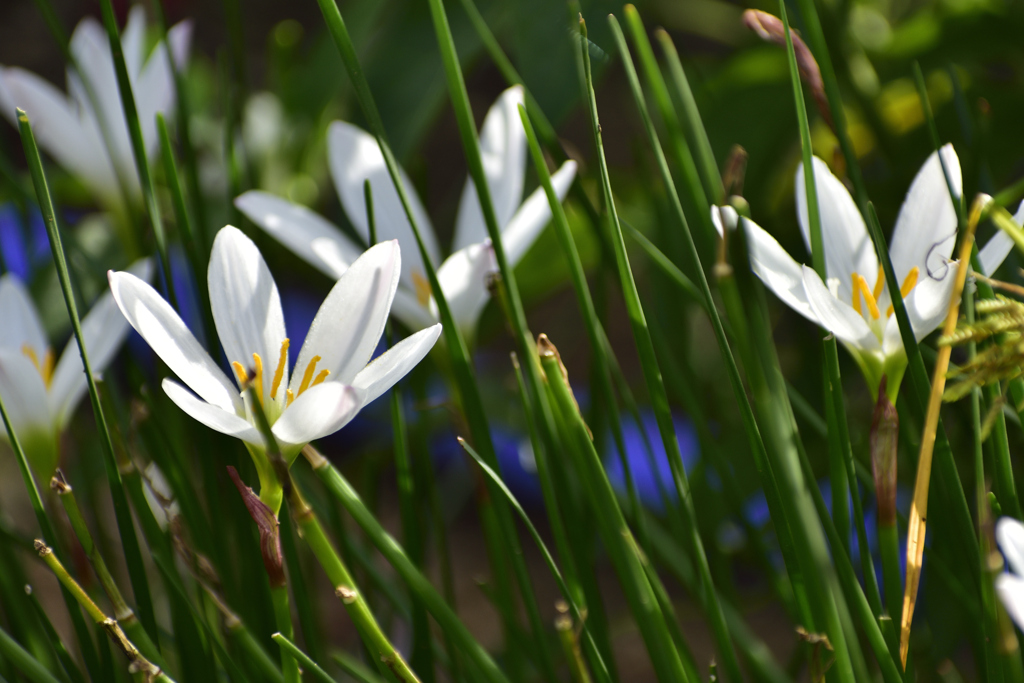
(885, 427)
(270, 532)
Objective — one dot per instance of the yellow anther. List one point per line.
(289, 397)
(240, 373)
(307, 376)
(879, 283)
(321, 376)
(422, 287)
(282, 362)
(909, 282)
(257, 381)
(862, 284)
(45, 368)
(855, 284)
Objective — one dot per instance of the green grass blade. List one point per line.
(343, 492)
(355, 668)
(696, 134)
(567, 594)
(665, 265)
(678, 147)
(23, 661)
(131, 115)
(645, 347)
(126, 529)
(317, 673)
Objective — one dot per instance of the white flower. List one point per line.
(1010, 585)
(355, 157)
(66, 126)
(854, 302)
(40, 392)
(332, 379)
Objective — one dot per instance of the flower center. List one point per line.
(871, 296)
(45, 368)
(422, 287)
(308, 379)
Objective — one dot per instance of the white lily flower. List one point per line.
(67, 126)
(355, 157)
(1010, 585)
(854, 303)
(39, 391)
(333, 378)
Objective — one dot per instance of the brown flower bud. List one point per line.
(270, 533)
(885, 427)
(770, 28)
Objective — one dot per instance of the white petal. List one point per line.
(503, 152)
(132, 40)
(1011, 592)
(925, 230)
(355, 157)
(24, 394)
(167, 335)
(351, 319)
(245, 302)
(310, 236)
(844, 237)
(463, 277)
(1010, 536)
(212, 416)
(318, 412)
(928, 303)
(836, 316)
(777, 269)
(524, 228)
(395, 363)
(59, 129)
(21, 323)
(154, 87)
(104, 330)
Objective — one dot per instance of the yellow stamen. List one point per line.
(320, 377)
(289, 397)
(307, 376)
(855, 282)
(862, 285)
(240, 373)
(282, 361)
(45, 368)
(879, 283)
(909, 282)
(422, 287)
(258, 379)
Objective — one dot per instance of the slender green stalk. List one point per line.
(665, 265)
(303, 598)
(618, 539)
(695, 132)
(122, 612)
(131, 115)
(73, 673)
(310, 666)
(189, 236)
(645, 347)
(461, 365)
(340, 488)
(678, 147)
(283, 617)
(28, 665)
(137, 662)
(129, 541)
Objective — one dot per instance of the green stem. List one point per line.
(310, 666)
(889, 547)
(283, 617)
(125, 524)
(23, 661)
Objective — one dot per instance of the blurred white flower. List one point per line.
(1010, 585)
(334, 377)
(355, 157)
(67, 126)
(854, 302)
(39, 391)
